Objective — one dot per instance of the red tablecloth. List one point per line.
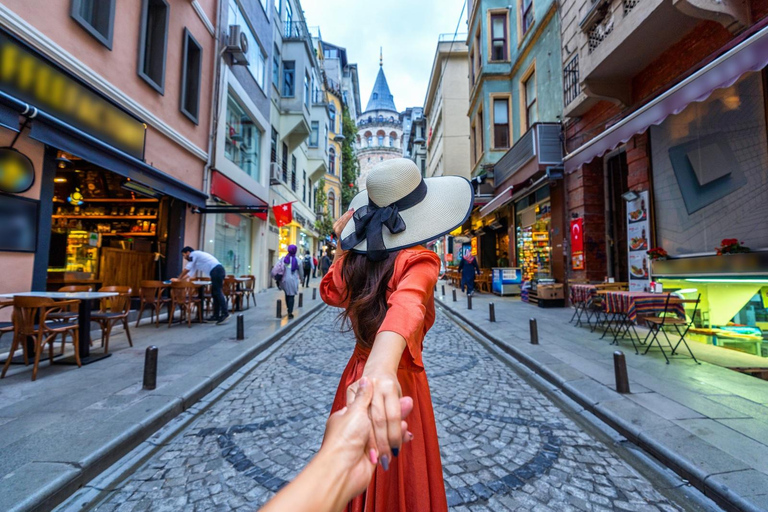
(582, 292)
(633, 304)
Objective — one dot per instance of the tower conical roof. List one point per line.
(381, 98)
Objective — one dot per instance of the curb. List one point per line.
(720, 494)
(47, 496)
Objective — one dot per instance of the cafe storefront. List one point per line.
(83, 207)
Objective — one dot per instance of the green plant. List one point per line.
(324, 223)
(349, 166)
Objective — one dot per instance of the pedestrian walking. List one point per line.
(384, 278)
(469, 269)
(315, 262)
(209, 266)
(292, 278)
(308, 268)
(325, 262)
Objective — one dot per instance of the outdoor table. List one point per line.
(580, 297)
(627, 306)
(201, 294)
(83, 318)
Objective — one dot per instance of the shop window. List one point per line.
(190, 77)
(531, 110)
(241, 145)
(332, 161)
(499, 36)
(153, 43)
(232, 243)
(501, 123)
(97, 17)
(276, 67)
(526, 15)
(289, 78)
(314, 136)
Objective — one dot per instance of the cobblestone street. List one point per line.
(505, 446)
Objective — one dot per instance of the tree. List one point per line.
(349, 166)
(324, 222)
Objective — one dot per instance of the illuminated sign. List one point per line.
(17, 174)
(474, 246)
(30, 79)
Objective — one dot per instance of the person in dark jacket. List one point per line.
(325, 263)
(469, 269)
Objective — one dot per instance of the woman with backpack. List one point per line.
(292, 276)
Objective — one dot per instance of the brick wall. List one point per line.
(586, 199)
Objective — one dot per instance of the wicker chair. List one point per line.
(114, 310)
(31, 320)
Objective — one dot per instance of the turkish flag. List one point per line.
(577, 235)
(283, 214)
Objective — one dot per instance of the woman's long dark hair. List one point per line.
(366, 283)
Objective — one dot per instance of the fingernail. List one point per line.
(395, 451)
(363, 384)
(373, 457)
(410, 436)
(385, 463)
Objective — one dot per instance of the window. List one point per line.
(306, 90)
(391, 141)
(289, 78)
(500, 123)
(531, 114)
(481, 132)
(233, 241)
(273, 152)
(257, 60)
(304, 188)
(285, 162)
(314, 136)
(288, 16)
(332, 112)
(571, 80)
(241, 144)
(499, 36)
(526, 15)
(332, 161)
(97, 17)
(381, 140)
(293, 173)
(190, 77)
(332, 204)
(276, 67)
(153, 42)
(311, 194)
(472, 66)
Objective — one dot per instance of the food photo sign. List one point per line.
(638, 234)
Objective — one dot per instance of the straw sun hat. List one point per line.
(399, 209)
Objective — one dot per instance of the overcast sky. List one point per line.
(407, 30)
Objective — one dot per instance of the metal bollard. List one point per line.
(443, 289)
(314, 293)
(454, 295)
(469, 301)
(620, 368)
(279, 308)
(301, 300)
(150, 368)
(534, 332)
(240, 327)
(492, 312)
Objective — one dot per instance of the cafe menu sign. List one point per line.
(638, 236)
(33, 80)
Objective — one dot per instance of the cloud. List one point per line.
(407, 30)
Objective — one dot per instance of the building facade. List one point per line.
(667, 147)
(515, 108)
(107, 109)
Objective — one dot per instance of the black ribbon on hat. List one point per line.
(370, 220)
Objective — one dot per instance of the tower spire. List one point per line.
(381, 56)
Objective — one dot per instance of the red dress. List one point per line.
(414, 482)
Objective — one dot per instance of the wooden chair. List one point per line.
(249, 290)
(656, 325)
(6, 327)
(184, 295)
(30, 316)
(151, 295)
(114, 310)
(231, 293)
(69, 314)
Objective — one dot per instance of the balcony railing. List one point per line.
(297, 31)
(541, 141)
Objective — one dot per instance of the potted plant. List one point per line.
(657, 254)
(731, 246)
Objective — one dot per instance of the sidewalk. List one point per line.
(60, 431)
(707, 423)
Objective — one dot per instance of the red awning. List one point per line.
(750, 54)
(230, 192)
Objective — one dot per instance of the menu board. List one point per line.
(638, 236)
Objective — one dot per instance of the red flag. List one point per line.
(283, 214)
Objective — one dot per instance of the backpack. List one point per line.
(307, 263)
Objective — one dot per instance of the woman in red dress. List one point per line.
(384, 280)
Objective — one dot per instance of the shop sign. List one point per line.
(474, 246)
(18, 224)
(638, 233)
(17, 174)
(31, 79)
(577, 244)
(449, 257)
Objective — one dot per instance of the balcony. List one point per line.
(538, 148)
(617, 39)
(297, 31)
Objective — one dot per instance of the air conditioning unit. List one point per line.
(275, 174)
(237, 46)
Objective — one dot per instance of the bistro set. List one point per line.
(617, 311)
(482, 281)
(38, 319)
